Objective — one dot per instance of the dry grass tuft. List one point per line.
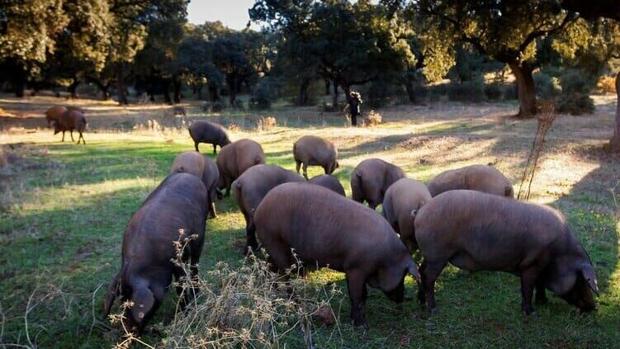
(372, 119)
(266, 123)
(250, 307)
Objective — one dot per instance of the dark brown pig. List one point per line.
(328, 230)
(402, 201)
(203, 131)
(235, 158)
(252, 186)
(70, 120)
(478, 231)
(202, 167)
(483, 178)
(329, 182)
(54, 113)
(315, 151)
(174, 211)
(371, 178)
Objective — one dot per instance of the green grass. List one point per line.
(66, 208)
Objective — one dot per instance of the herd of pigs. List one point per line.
(467, 217)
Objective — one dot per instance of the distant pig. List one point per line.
(482, 178)
(202, 167)
(174, 211)
(402, 201)
(235, 158)
(54, 113)
(370, 180)
(329, 182)
(315, 151)
(203, 131)
(72, 119)
(252, 186)
(327, 230)
(478, 231)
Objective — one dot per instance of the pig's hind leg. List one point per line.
(429, 272)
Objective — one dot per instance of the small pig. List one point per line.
(235, 158)
(329, 182)
(402, 201)
(203, 131)
(252, 186)
(371, 178)
(70, 120)
(479, 231)
(202, 167)
(315, 151)
(475, 177)
(174, 211)
(328, 230)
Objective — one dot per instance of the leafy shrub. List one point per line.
(493, 91)
(547, 87)
(381, 92)
(262, 95)
(575, 98)
(468, 91)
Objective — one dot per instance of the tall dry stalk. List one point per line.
(545, 118)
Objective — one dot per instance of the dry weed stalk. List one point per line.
(545, 117)
(373, 118)
(266, 123)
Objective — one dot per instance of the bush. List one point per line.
(468, 91)
(493, 91)
(262, 96)
(547, 87)
(606, 84)
(575, 98)
(381, 92)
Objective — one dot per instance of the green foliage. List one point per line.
(493, 91)
(467, 91)
(547, 87)
(575, 98)
(262, 96)
(381, 92)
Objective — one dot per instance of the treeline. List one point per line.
(391, 50)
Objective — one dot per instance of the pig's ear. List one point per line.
(590, 276)
(413, 270)
(143, 302)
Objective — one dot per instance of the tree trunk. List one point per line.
(19, 81)
(327, 89)
(525, 89)
(302, 99)
(120, 85)
(409, 86)
(72, 89)
(614, 143)
(231, 81)
(335, 96)
(176, 85)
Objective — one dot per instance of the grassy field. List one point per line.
(63, 210)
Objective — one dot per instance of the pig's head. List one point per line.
(332, 167)
(224, 140)
(574, 282)
(143, 307)
(391, 280)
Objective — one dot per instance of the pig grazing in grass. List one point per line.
(235, 158)
(326, 229)
(370, 180)
(203, 131)
(174, 211)
(330, 182)
(202, 167)
(71, 120)
(402, 201)
(478, 231)
(315, 151)
(482, 178)
(252, 186)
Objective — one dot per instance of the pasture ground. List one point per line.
(63, 209)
